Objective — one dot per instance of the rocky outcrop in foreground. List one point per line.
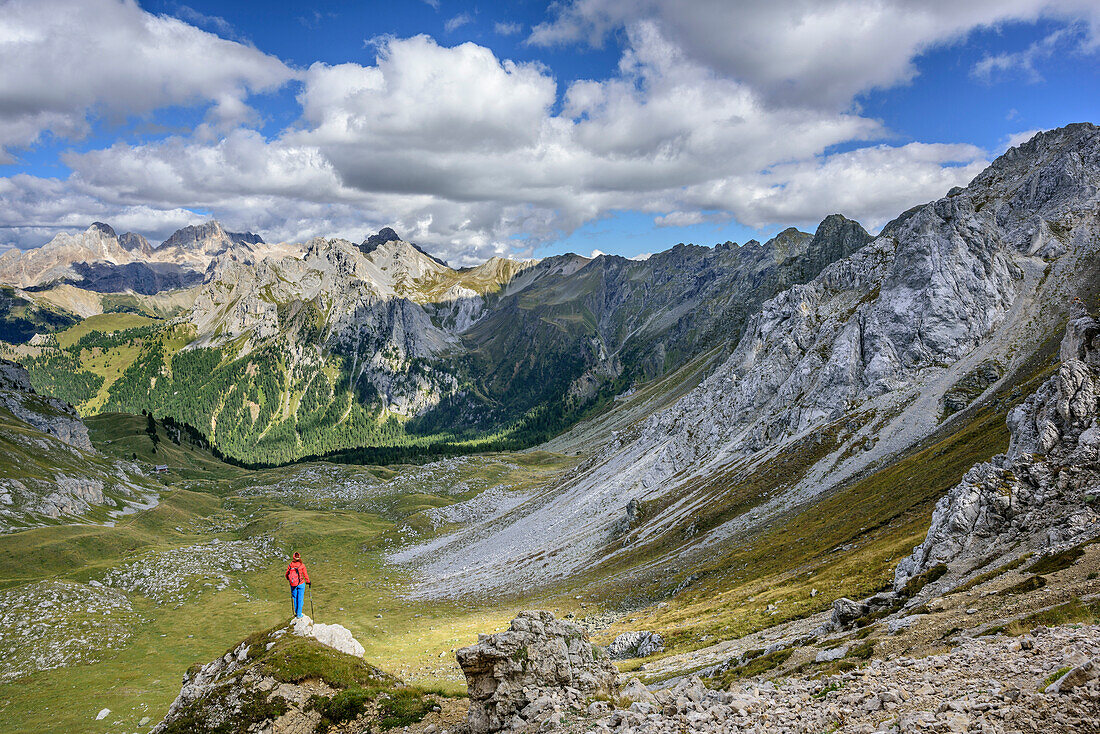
(984, 685)
(1042, 492)
(529, 670)
(302, 678)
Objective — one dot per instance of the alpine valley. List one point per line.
(834, 481)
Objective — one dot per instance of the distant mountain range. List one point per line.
(101, 260)
(378, 350)
(278, 352)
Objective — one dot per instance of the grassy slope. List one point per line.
(105, 323)
(343, 547)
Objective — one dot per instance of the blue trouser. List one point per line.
(297, 596)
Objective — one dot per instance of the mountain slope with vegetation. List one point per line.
(51, 473)
(379, 350)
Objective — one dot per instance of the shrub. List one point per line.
(403, 707)
(345, 706)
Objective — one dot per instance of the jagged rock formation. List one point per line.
(635, 645)
(842, 372)
(209, 238)
(1043, 490)
(249, 689)
(512, 675)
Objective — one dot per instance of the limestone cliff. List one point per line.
(1045, 490)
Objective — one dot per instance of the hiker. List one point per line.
(298, 577)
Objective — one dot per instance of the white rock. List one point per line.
(335, 636)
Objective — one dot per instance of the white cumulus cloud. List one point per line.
(65, 62)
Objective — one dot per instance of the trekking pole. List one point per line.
(310, 590)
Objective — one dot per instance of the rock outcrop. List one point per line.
(51, 472)
(638, 644)
(46, 414)
(515, 675)
(1043, 491)
(256, 686)
(336, 636)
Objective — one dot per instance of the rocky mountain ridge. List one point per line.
(854, 363)
(101, 260)
(1044, 490)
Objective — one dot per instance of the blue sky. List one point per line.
(520, 128)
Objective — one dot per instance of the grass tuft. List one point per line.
(1029, 584)
(1057, 561)
(756, 666)
(1071, 612)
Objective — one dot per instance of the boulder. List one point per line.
(335, 636)
(635, 644)
(834, 653)
(846, 611)
(1075, 678)
(536, 656)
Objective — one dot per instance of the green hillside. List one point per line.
(20, 318)
(556, 342)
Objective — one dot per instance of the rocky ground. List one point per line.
(494, 500)
(170, 576)
(51, 625)
(991, 684)
(320, 486)
(1047, 681)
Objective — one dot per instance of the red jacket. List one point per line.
(297, 574)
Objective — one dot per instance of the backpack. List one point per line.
(294, 576)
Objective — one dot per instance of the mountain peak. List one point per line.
(104, 228)
(386, 234)
(134, 243)
(209, 233)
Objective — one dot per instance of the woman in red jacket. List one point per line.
(298, 577)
